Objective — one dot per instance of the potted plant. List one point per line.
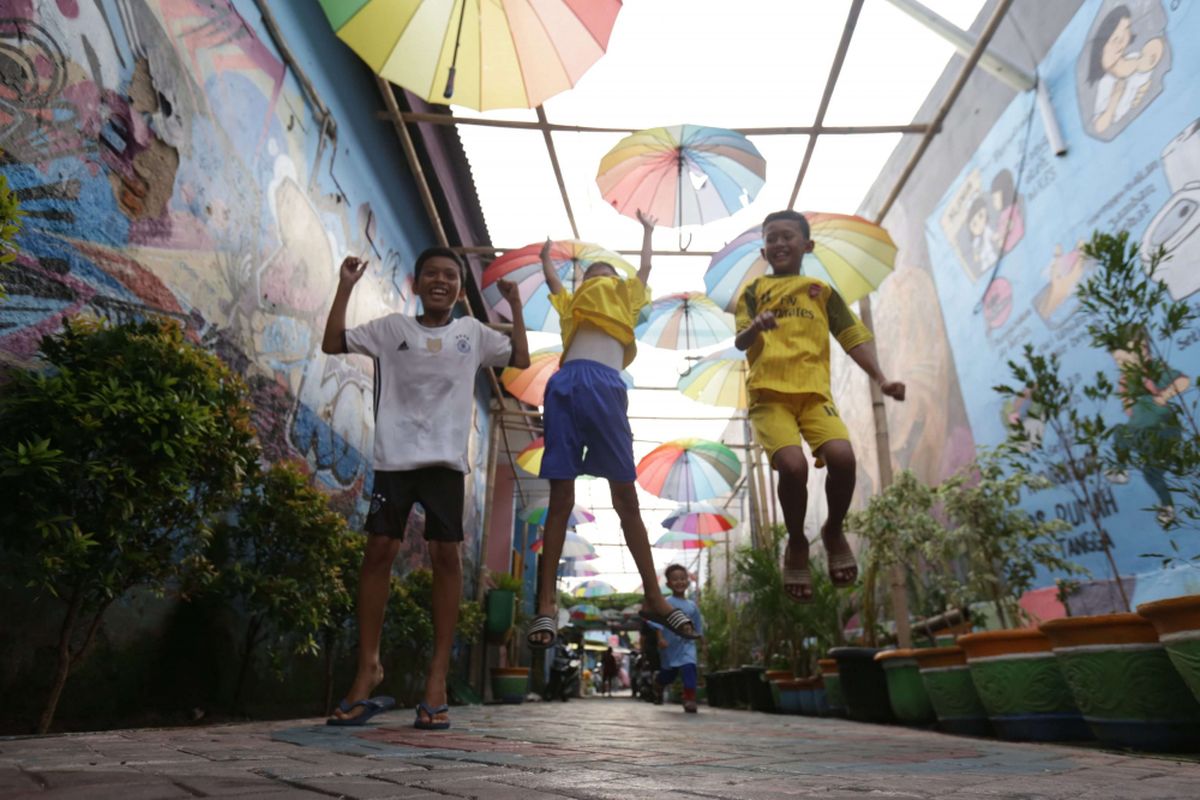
(833, 686)
(906, 693)
(947, 680)
(511, 681)
(1177, 620)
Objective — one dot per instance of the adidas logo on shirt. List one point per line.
(403, 346)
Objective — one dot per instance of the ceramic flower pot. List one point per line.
(1177, 621)
(773, 677)
(833, 686)
(788, 693)
(1021, 685)
(1124, 682)
(509, 684)
(501, 606)
(947, 680)
(864, 685)
(906, 692)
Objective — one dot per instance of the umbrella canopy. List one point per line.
(513, 54)
(593, 589)
(575, 547)
(529, 384)
(684, 174)
(535, 514)
(699, 518)
(689, 469)
(685, 321)
(586, 612)
(718, 379)
(673, 540)
(530, 457)
(524, 268)
(573, 568)
(849, 253)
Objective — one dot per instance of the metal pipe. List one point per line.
(1049, 121)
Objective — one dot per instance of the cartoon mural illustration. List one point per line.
(1056, 301)
(1122, 65)
(1175, 225)
(985, 222)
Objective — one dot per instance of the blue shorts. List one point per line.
(586, 416)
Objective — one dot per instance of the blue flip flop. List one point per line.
(431, 724)
(371, 707)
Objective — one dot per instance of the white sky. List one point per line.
(703, 62)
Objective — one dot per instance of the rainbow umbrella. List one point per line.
(684, 174)
(849, 253)
(685, 321)
(524, 268)
(514, 54)
(593, 589)
(674, 540)
(699, 518)
(572, 568)
(575, 547)
(585, 612)
(718, 379)
(689, 470)
(530, 457)
(535, 514)
(529, 384)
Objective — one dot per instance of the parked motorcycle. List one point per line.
(564, 679)
(642, 676)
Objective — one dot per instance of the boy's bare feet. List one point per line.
(364, 684)
(797, 581)
(843, 568)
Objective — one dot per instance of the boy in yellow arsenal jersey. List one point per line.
(587, 426)
(784, 320)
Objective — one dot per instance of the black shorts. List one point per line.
(439, 490)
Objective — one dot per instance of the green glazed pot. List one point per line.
(951, 691)
(1021, 684)
(833, 686)
(906, 692)
(1124, 682)
(509, 684)
(1177, 621)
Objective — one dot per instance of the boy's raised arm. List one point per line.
(552, 281)
(334, 340)
(648, 223)
(864, 356)
(520, 342)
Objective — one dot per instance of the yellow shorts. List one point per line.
(780, 420)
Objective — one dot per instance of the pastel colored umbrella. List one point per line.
(700, 518)
(573, 568)
(689, 469)
(718, 379)
(685, 321)
(575, 547)
(524, 268)
(477, 53)
(585, 612)
(674, 540)
(683, 174)
(530, 457)
(849, 253)
(535, 514)
(593, 589)
(529, 384)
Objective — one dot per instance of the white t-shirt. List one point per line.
(425, 386)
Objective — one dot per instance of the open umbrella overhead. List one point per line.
(685, 321)
(593, 589)
(575, 547)
(524, 268)
(529, 384)
(511, 54)
(535, 514)
(689, 469)
(683, 174)
(718, 379)
(530, 457)
(586, 612)
(674, 540)
(849, 253)
(574, 568)
(699, 518)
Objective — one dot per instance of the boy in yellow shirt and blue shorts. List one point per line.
(784, 321)
(587, 431)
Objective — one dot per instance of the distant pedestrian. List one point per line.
(608, 671)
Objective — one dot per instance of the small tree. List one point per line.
(997, 545)
(112, 460)
(897, 525)
(11, 219)
(1130, 315)
(282, 563)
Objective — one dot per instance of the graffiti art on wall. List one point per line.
(169, 162)
(1115, 62)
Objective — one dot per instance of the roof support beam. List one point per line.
(562, 186)
(835, 70)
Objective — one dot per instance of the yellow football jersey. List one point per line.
(606, 302)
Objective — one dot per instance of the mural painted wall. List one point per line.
(1004, 241)
(169, 161)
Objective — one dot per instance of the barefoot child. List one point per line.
(784, 321)
(586, 408)
(425, 368)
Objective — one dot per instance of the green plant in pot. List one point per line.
(510, 682)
